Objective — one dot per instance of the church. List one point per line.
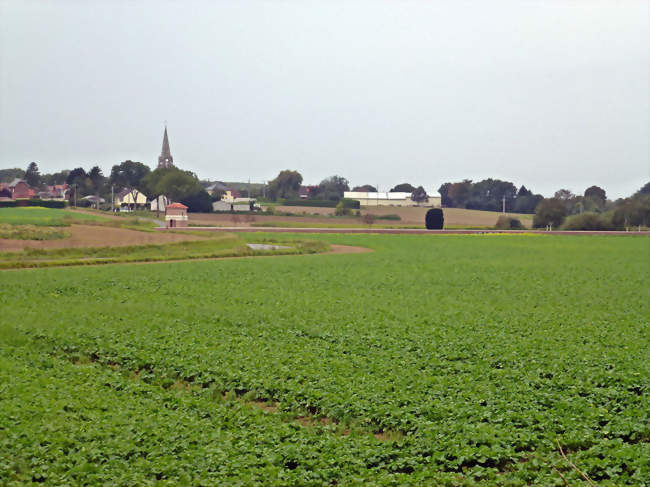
(165, 160)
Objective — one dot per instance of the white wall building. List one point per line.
(389, 199)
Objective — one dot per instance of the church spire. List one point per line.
(165, 159)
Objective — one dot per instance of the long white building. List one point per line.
(389, 199)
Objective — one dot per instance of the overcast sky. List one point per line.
(550, 94)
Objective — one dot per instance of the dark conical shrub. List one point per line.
(434, 219)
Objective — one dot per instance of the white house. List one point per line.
(389, 199)
(126, 198)
(159, 203)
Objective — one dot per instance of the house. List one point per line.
(95, 200)
(59, 192)
(216, 188)
(20, 189)
(239, 204)
(129, 199)
(176, 215)
(306, 191)
(159, 203)
(389, 199)
(230, 195)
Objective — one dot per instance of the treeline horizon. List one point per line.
(487, 195)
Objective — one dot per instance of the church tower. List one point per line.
(165, 159)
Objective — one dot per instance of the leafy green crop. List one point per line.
(474, 354)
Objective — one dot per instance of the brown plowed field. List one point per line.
(97, 236)
(408, 215)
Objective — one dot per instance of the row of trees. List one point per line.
(488, 195)
(288, 183)
(593, 211)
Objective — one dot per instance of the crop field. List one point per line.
(35, 215)
(433, 360)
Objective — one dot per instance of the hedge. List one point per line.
(353, 204)
(32, 202)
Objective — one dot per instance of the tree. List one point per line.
(366, 188)
(78, 178)
(55, 178)
(632, 212)
(419, 195)
(97, 179)
(8, 175)
(527, 204)
(564, 194)
(198, 202)
(129, 174)
(488, 194)
(285, 185)
(444, 194)
(523, 191)
(597, 195)
(403, 188)
(341, 209)
(434, 219)
(551, 211)
(332, 188)
(32, 175)
(178, 185)
(459, 193)
(644, 190)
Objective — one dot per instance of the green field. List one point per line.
(51, 217)
(435, 360)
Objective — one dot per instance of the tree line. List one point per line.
(288, 183)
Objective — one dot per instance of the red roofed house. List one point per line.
(176, 215)
(20, 189)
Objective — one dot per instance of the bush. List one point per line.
(33, 202)
(434, 219)
(47, 203)
(341, 209)
(368, 219)
(388, 217)
(505, 222)
(550, 211)
(588, 221)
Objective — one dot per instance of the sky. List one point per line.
(550, 94)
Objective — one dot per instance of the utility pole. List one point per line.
(112, 198)
(75, 195)
(503, 210)
(249, 188)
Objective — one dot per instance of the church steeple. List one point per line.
(165, 159)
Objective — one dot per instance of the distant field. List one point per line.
(449, 360)
(411, 217)
(34, 215)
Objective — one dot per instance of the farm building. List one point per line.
(389, 199)
(176, 215)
